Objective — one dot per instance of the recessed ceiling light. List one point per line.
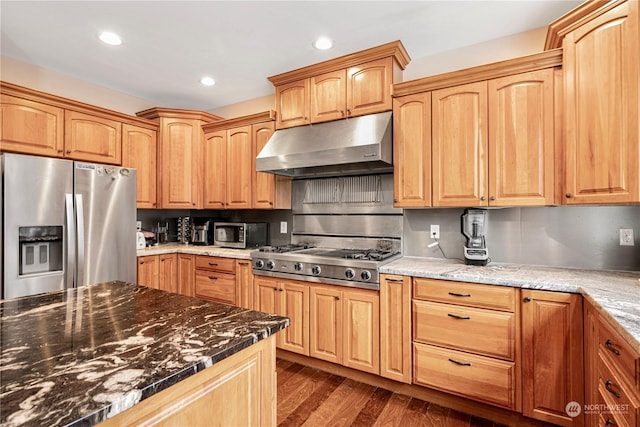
(110, 38)
(323, 43)
(207, 81)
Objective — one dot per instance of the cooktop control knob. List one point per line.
(271, 265)
(366, 275)
(349, 273)
(316, 270)
(297, 266)
(259, 263)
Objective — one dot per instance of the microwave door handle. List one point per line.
(71, 241)
(80, 231)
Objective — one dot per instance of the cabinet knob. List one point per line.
(527, 299)
(337, 298)
(281, 290)
(60, 151)
(68, 151)
(492, 198)
(609, 422)
(275, 289)
(348, 112)
(568, 195)
(342, 113)
(482, 198)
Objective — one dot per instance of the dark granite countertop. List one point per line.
(79, 356)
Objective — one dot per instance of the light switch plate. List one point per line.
(138, 225)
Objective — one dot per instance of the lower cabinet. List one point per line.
(148, 271)
(395, 327)
(237, 391)
(216, 279)
(244, 284)
(552, 365)
(344, 325)
(159, 272)
(187, 274)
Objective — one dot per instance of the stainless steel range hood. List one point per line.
(359, 145)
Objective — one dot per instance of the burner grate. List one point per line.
(284, 248)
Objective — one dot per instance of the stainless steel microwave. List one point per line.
(240, 235)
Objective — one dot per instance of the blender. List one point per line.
(475, 248)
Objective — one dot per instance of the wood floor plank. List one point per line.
(438, 416)
(302, 386)
(458, 419)
(286, 373)
(343, 406)
(393, 412)
(373, 408)
(415, 415)
(311, 403)
(480, 422)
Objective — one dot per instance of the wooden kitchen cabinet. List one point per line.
(352, 85)
(289, 298)
(31, 127)
(459, 145)
(412, 151)
(92, 138)
(148, 271)
(186, 275)
(552, 360)
(344, 327)
(244, 284)
(215, 170)
(139, 151)
(395, 327)
(601, 74)
(168, 273)
(270, 191)
(216, 279)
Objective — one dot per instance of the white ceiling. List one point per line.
(168, 45)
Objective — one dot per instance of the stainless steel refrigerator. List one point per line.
(65, 224)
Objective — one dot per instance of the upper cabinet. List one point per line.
(139, 151)
(231, 179)
(484, 136)
(180, 147)
(601, 74)
(351, 85)
(42, 124)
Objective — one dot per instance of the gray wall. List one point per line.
(565, 236)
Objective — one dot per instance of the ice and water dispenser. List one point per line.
(41, 249)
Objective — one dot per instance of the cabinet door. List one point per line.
(521, 139)
(329, 96)
(31, 127)
(148, 270)
(266, 296)
(186, 275)
(168, 272)
(244, 284)
(369, 87)
(263, 183)
(552, 367)
(590, 326)
(91, 138)
(361, 332)
(139, 151)
(215, 170)
(294, 304)
(241, 167)
(601, 66)
(180, 163)
(395, 328)
(216, 286)
(459, 147)
(292, 104)
(325, 324)
(412, 151)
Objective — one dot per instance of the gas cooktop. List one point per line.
(347, 267)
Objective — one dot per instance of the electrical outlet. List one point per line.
(138, 225)
(283, 227)
(435, 231)
(626, 237)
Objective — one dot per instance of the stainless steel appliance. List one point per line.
(348, 267)
(65, 224)
(184, 230)
(201, 233)
(240, 235)
(472, 225)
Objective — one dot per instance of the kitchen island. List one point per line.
(82, 356)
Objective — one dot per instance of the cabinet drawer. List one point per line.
(488, 332)
(622, 356)
(462, 293)
(476, 377)
(218, 287)
(226, 265)
(616, 393)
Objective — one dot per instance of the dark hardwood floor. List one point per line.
(310, 397)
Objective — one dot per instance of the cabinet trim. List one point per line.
(538, 61)
(251, 119)
(176, 113)
(394, 49)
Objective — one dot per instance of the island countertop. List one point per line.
(78, 356)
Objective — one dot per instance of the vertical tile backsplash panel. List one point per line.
(565, 236)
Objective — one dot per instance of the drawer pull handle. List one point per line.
(609, 422)
(610, 389)
(213, 264)
(610, 347)
(243, 263)
(459, 295)
(213, 278)
(459, 363)
(455, 316)
(394, 280)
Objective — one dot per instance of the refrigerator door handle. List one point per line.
(71, 240)
(80, 266)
